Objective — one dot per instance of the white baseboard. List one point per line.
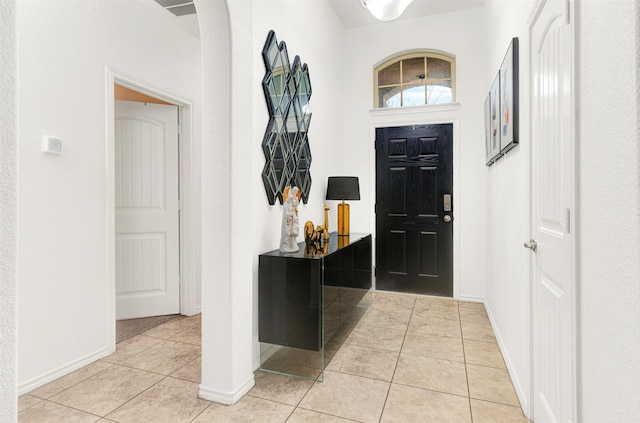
(41, 380)
(226, 398)
(471, 299)
(198, 309)
(520, 392)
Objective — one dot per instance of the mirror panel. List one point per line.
(287, 90)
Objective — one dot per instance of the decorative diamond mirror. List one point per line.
(287, 90)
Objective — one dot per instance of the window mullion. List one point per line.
(426, 94)
(401, 86)
(445, 86)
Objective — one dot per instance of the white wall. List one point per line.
(507, 219)
(609, 204)
(492, 203)
(65, 318)
(462, 34)
(608, 168)
(312, 31)
(8, 213)
(238, 222)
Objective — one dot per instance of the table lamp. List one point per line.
(343, 188)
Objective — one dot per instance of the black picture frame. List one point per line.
(487, 130)
(494, 152)
(509, 98)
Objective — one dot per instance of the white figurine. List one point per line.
(290, 227)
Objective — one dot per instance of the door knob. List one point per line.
(532, 245)
(447, 218)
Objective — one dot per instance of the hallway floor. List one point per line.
(409, 359)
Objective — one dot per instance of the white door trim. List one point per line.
(421, 115)
(573, 125)
(188, 248)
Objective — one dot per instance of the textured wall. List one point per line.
(226, 286)
(609, 204)
(237, 221)
(8, 213)
(462, 34)
(507, 220)
(311, 30)
(66, 295)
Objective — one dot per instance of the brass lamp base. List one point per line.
(343, 219)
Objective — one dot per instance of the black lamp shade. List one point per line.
(343, 188)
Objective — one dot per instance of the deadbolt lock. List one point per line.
(447, 202)
(447, 218)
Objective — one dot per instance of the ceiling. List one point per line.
(352, 14)
(181, 13)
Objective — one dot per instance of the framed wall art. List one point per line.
(494, 121)
(487, 130)
(509, 115)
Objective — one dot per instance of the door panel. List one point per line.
(551, 184)
(428, 254)
(147, 220)
(414, 245)
(140, 263)
(397, 252)
(428, 185)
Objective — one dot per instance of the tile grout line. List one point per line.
(413, 313)
(189, 363)
(147, 371)
(33, 405)
(466, 373)
(134, 397)
(202, 412)
(316, 380)
(69, 407)
(327, 414)
(69, 387)
(440, 392)
(384, 405)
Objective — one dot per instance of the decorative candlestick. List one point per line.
(326, 219)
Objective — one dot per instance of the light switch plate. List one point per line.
(52, 145)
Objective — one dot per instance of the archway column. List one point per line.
(8, 214)
(227, 292)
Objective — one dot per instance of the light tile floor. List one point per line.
(409, 359)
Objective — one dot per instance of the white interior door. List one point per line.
(552, 199)
(147, 207)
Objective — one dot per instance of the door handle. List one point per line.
(447, 218)
(532, 245)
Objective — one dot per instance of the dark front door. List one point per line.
(414, 209)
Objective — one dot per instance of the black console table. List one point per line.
(305, 298)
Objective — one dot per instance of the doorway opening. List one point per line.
(148, 203)
(414, 209)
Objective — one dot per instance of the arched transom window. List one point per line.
(415, 79)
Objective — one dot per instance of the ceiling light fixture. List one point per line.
(386, 10)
